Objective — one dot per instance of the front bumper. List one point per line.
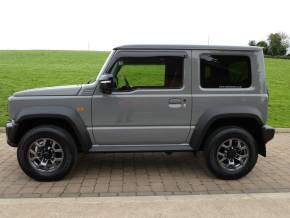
(11, 129)
(267, 133)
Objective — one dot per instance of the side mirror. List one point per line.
(106, 84)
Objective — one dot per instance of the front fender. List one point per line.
(64, 113)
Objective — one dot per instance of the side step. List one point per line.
(140, 148)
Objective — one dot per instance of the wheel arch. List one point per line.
(60, 116)
(246, 117)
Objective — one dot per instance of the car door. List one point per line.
(156, 109)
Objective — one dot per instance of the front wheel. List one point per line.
(47, 153)
(230, 152)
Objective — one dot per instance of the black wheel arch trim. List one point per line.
(214, 114)
(64, 113)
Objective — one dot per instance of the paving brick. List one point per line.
(57, 190)
(162, 193)
(199, 188)
(182, 193)
(157, 187)
(8, 195)
(21, 182)
(234, 191)
(108, 194)
(129, 188)
(30, 195)
(89, 195)
(147, 174)
(101, 188)
(50, 195)
(144, 188)
(70, 195)
(89, 182)
(72, 188)
(116, 183)
(86, 189)
(43, 188)
(216, 192)
(60, 184)
(13, 189)
(76, 180)
(115, 189)
(127, 194)
(170, 188)
(32, 183)
(184, 186)
(27, 190)
(145, 193)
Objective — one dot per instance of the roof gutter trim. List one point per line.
(187, 47)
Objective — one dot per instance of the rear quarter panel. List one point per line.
(204, 99)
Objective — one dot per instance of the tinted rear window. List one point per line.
(225, 71)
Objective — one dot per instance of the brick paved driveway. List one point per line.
(147, 174)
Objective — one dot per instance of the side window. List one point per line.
(225, 71)
(146, 73)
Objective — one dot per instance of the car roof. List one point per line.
(186, 47)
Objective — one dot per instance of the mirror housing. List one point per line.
(106, 84)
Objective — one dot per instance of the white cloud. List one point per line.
(103, 24)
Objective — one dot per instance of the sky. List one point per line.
(104, 24)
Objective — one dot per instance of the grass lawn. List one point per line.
(29, 69)
(278, 80)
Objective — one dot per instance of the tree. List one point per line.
(264, 45)
(252, 43)
(278, 43)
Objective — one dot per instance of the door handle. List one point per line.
(176, 103)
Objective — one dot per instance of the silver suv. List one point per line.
(149, 98)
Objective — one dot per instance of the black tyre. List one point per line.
(230, 152)
(47, 153)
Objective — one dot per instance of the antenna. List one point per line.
(208, 38)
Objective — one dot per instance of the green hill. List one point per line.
(29, 69)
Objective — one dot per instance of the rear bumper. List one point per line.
(268, 133)
(11, 129)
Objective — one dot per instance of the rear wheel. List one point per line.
(230, 152)
(47, 153)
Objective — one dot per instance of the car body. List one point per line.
(181, 95)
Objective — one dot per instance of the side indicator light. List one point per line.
(80, 109)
